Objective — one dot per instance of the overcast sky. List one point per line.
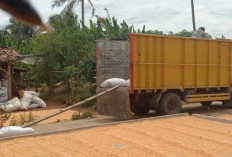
(164, 15)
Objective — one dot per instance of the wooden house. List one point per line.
(7, 57)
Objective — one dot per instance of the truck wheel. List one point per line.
(170, 104)
(139, 109)
(206, 103)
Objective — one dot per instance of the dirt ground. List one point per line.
(52, 107)
(176, 137)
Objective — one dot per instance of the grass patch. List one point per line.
(3, 118)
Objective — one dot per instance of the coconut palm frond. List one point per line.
(108, 15)
(93, 8)
(58, 3)
(93, 12)
(90, 2)
(69, 7)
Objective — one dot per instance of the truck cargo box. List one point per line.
(164, 62)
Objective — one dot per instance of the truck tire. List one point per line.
(170, 103)
(139, 109)
(206, 103)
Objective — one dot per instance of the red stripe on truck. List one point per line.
(131, 63)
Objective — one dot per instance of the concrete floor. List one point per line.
(71, 125)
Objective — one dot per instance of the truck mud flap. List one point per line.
(115, 103)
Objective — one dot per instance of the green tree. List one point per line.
(58, 22)
(2, 39)
(70, 45)
(183, 33)
(18, 31)
(112, 30)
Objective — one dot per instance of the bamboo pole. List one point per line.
(69, 107)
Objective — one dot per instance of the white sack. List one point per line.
(33, 106)
(109, 83)
(128, 83)
(11, 105)
(39, 101)
(4, 94)
(32, 93)
(15, 131)
(26, 100)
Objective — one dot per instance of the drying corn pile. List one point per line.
(180, 136)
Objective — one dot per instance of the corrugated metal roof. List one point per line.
(8, 54)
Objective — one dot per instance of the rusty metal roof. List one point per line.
(8, 54)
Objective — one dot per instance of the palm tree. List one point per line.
(69, 7)
(193, 16)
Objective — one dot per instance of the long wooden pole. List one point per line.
(69, 107)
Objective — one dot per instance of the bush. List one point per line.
(92, 89)
(86, 115)
(88, 92)
(78, 116)
(23, 119)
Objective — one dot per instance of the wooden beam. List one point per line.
(9, 79)
(3, 70)
(69, 107)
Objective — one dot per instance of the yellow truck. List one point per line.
(164, 71)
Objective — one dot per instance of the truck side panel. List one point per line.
(162, 62)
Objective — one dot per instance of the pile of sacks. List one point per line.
(29, 100)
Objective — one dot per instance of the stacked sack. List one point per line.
(11, 105)
(29, 100)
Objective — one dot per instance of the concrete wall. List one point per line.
(112, 60)
(115, 103)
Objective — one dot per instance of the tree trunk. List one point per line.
(9, 75)
(83, 11)
(193, 16)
